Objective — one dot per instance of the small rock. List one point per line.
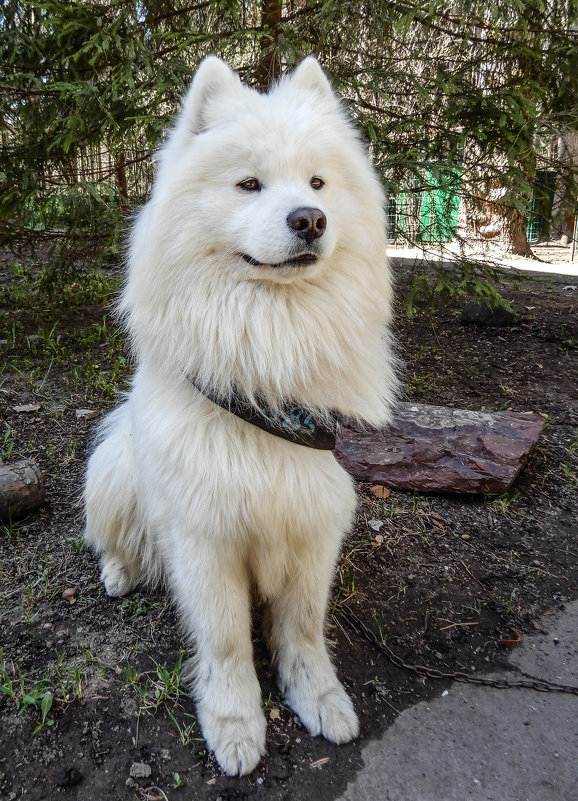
(481, 312)
(375, 524)
(69, 595)
(86, 414)
(140, 770)
(27, 407)
(380, 491)
(465, 537)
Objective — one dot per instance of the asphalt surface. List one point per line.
(483, 743)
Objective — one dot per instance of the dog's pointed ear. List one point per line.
(309, 75)
(212, 78)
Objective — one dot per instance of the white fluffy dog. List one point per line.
(257, 298)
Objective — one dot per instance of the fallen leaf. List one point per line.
(511, 643)
(439, 525)
(378, 540)
(27, 407)
(380, 491)
(274, 714)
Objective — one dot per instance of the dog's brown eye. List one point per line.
(317, 182)
(250, 185)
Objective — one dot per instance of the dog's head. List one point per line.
(270, 184)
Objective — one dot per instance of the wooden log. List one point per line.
(21, 489)
(438, 449)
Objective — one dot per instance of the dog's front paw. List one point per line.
(116, 577)
(330, 714)
(237, 742)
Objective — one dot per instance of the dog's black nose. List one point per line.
(309, 224)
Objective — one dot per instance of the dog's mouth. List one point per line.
(301, 260)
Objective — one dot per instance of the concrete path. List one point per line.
(483, 743)
(555, 258)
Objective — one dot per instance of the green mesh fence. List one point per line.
(540, 211)
(428, 211)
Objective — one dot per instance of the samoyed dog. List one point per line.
(257, 299)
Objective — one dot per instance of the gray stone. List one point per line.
(140, 770)
(481, 312)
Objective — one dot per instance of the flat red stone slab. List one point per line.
(438, 449)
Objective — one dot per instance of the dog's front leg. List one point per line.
(213, 596)
(306, 675)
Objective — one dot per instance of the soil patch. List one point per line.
(92, 705)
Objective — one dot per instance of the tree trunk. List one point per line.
(269, 67)
(121, 181)
(513, 227)
(564, 209)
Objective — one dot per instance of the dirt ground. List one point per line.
(92, 705)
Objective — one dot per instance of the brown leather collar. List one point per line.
(295, 424)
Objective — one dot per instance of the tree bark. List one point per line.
(21, 489)
(121, 180)
(269, 66)
(513, 226)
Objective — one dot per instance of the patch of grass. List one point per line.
(55, 344)
(62, 684)
(186, 730)
(136, 606)
(158, 687)
(6, 445)
(164, 688)
(32, 287)
(569, 472)
(501, 504)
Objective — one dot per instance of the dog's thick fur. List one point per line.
(218, 292)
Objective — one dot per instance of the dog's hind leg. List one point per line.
(113, 528)
(306, 676)
(213, 593)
